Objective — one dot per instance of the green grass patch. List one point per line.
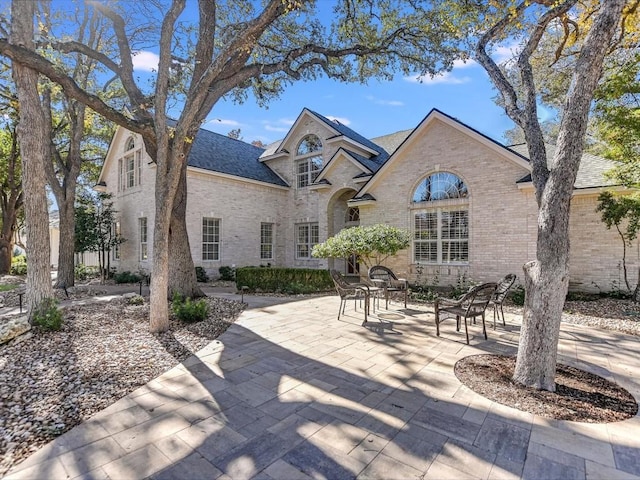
(6, 288)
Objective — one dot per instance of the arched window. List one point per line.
(440, 186)
(441, 220)
(130, 166)
(308, 160)
(352, 216)
(130, 145)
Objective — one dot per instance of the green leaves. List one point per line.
(373, 243)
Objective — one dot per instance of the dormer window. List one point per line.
(308, 160)
(129, 166)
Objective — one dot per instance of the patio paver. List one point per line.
(290, 392)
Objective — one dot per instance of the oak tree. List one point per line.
(229, 48)
(547, 277)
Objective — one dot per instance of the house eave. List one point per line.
(344, 138)
(204, 171)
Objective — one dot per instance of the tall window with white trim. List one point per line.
(130, 166)
(142, 235)
(307, 235)
(266, 241)
(441, 220)
(210, 238)
(308, 160)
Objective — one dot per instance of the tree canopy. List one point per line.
(371, 244)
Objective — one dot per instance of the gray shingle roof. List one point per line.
(392, 141)
(219, 153)
(591, 172)
(373, 163)
(347, 132)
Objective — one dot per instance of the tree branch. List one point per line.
(36, 62)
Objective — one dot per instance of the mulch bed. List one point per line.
(580, 396)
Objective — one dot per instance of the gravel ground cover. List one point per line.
(52, 381)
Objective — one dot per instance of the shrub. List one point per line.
(136, 300)
(48, 315)
(423, 293)
(83, 272)
(227, 273)
(284, 280)
(581, 297)
(187, 310)
(517, 295)
(126, 277)
(19, 265)
(201, 275)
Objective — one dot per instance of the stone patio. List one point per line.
(290, 392)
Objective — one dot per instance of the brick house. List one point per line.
(467, 199)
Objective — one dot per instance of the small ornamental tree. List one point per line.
(617, 211)
(372, 244)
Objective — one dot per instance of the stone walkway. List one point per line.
(290, 392)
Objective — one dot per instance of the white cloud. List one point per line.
(225, 121)
(271, 128)
(464, 63)
(281, 125)
(147, 61)
(389, 103)
(342, 120)
(444, 78)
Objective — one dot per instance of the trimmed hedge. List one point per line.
(283, 280)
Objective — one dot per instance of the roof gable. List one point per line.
(436, 115)
(216, 153)
(341, 154)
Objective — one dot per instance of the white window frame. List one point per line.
(307, 235)
(143, 235)
(439, 196)
(211, 239)
(130, 167)
(443, 243)
(308, 162)
(266, 240)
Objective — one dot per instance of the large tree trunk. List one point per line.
(546, 283)
(169, 163)
(182, 272)
(66, 257)
(34, 146)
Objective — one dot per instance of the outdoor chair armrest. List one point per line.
(447, 301)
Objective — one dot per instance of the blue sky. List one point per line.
(374, 109)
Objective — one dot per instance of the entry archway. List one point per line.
(340, 216)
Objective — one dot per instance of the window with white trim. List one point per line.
(308, 160)
(210, 238)
(307, 235)
(142, 235)
(266, 241)
(441, 220)
(130, 167)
